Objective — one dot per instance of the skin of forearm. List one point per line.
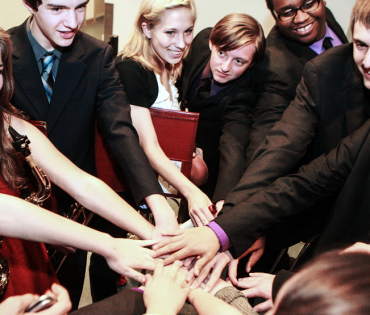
(45, 226)
(205, 304)
(161, 209)
(163, 166)
(99, 198)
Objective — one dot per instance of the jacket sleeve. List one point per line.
(113, 115)
(237, 120)
(286, 143)
(273, 93)
(295, 193)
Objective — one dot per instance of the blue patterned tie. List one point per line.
(47, 76)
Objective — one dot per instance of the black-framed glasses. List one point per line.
(306, 7)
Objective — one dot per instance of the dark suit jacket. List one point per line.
(275, 80)
(87, 86)
(330, 104)
(224, 121)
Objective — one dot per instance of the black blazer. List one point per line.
(224, 121)
(87, 87)
(330, 104)
(275, 80)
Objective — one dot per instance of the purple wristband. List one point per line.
(221, 235)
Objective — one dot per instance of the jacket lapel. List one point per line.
(70, 71)
(355, 106)
(26, 74)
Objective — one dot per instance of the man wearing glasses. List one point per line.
(299, 35)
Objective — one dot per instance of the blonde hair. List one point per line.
(138, 46)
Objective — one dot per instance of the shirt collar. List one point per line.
(317, 46)
(37, 48)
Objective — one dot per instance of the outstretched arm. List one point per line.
(294, 193)
(205, 303)
(198, 201)
(24, 220)
(91, 192)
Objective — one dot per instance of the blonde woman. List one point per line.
(149, 65)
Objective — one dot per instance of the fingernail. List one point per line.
(154, 255)
(239, 280)
(206, 289)
(192, 287)
(155, 246)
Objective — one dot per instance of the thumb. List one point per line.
(253, 259)
(139, 277)
(262, 307)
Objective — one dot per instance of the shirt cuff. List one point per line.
(222, 236)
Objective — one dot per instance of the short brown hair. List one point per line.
(334, 283)
(361, 13)
(33, 3)
(236, 30)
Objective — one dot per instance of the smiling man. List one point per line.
(68, 79)
(299, 35)
(216, 82)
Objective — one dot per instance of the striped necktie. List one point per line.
(47, 76)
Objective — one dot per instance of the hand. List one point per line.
(218, 263)
(16, 305)
(256, 251)
(219, 205)
(201, 242)
(358, 248)
(166, 293)
(129, 255)
(163, 226)
(63, 304)
(198, 208)
(258, 284)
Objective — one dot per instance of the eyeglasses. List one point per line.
(306, 7)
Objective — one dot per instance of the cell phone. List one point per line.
(42, 303)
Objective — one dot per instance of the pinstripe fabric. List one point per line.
(47, 76)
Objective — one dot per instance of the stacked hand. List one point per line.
(166, 292)
(128, 255)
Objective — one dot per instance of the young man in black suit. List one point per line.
(80, 85)
(292, 42)
(216, 83)
(332, 102)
